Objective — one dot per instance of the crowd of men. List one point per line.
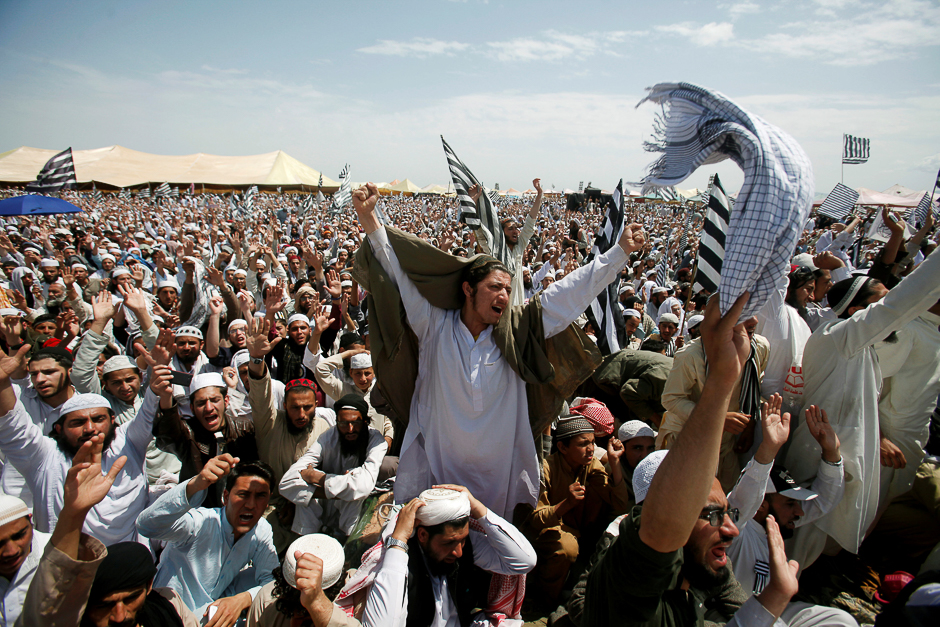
(204, 413)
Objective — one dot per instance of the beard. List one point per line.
(70, 450)
(702, 576)
(357, 447)
(307, 428)
(527, 283)
(800, 309)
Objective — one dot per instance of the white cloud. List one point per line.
(704, 35)
(861, 34)
(420, 47)
(741, 8)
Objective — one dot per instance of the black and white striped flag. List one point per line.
(175, 192)
(343, 195)
(144, 193)
(839, 203)
(95, 193)
(920, 213)
(855, 150)
(711, 247)
(603, 312)
(494, 196)
(662, 268)
(56, 175)
(249, 202)
(684, 238)
(125, 193)
(162, 191)
(480, 216)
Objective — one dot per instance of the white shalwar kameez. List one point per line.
(911, 370)
(843, 377)
(469, 420)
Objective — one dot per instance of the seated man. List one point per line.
(638, 442)
(21, 547)
(208, 548)
(363, 381)
(209, 431)
(670, 560)
(304, 586)
(571, 512)
(438, 564)
(330, 480)
(683, 389)
(80, 582)
(44, 460)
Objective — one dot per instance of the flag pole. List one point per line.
(842, 159)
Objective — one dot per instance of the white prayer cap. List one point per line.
(49, 263)
(140, 235)
(270, 282)
(62, 232)
(643, 474)
(346, 284)
(695, 320)
(626, 288)
(77, 265)
(660, 290)
(189, 331)
(282, 258)
(633, 313)
(237, 322)
(240, 358)
(323, 546)
(241, 272)
(360, 361)
(290, 250)
(119, 272)
(118, 362)
(442, 505)
(668, 317)
(157, 318)
(258, 314)
(804, 260)
(114, 250)
(133, 249)
(649, 272)
(6, 312)
(168, 283)
(83, 401)
(298, 317)
(634, 429)
(549, 275)
(205, 380)
(108, 256)
(11, 508)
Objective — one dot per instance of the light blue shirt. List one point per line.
(202, 561)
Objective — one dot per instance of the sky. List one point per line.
(518, 89)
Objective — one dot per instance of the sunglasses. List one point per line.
(717, 516)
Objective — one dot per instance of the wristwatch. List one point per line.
(395, 542)
(257, 360)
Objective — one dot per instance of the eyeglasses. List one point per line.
(717, 516)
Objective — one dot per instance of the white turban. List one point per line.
(442, 505)
(189, 331)
(298, 317)
(323, 546)
(205, 380)
(118, 362)
(237, 322)
(83, 401)
(360, 361)
(119, 272)
(632, 313)
(644, 472)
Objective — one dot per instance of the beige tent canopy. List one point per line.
(117, 166)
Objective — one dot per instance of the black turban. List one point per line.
(353, 401)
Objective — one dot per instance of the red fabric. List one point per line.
(55, 342)
(596, 413)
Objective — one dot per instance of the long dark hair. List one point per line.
(481, 267)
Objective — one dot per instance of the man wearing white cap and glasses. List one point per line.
(21, 548)
(363, 381)
(440, 558)
(45, 461)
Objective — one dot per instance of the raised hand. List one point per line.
(537, 185)
(775, 428)
(258, 344)
(13, 365)
(818, 423)
(477, 509)
(632, 237)
(475, 192)
(68, 277)
(320, 320)
(333, 285)
(783, 583)
(161, 382)
(85, 485)
(230, 376)
(614, 450)
(274, 300)
(12, 328)
(215, 277)
(102, 308)
(134, 298)
(216, 305)
(726, 343)
(163, 351)
(214, 470)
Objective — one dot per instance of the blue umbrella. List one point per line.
(33, 205)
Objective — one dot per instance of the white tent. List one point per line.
(122, 167)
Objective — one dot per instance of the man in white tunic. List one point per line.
(842, 374)
(469, 418)
(911, 370)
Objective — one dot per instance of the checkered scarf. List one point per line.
(698, 127)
